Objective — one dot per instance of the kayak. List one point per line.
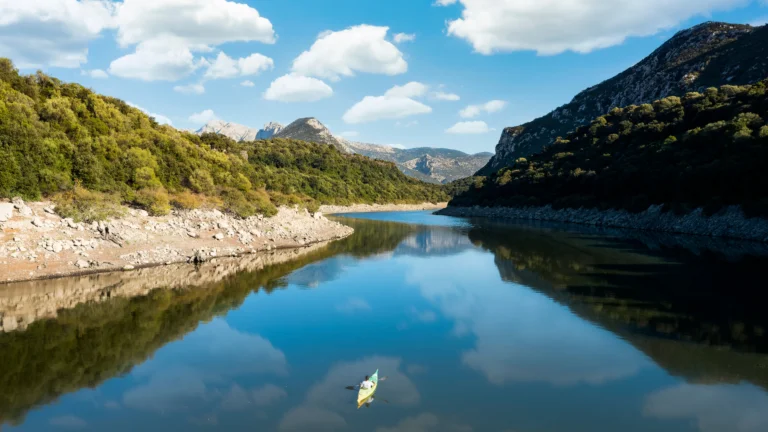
(364, 394)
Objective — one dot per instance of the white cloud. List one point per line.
(350, 134)
(362, 48)
(488, 107)
(158, 117)
(56, 33)
(162, 59)
(167, 33)
(554, 26)
(95, 73)
(354, 304)
(268, 394)
(444, 2)
(190, 89)
(399, 38)
(198, 22)
(373, 108)
(406, 124)
(411, 90)
(446, 96)
(203, 117)
(396, 103)
(469, 127)
(719, 407)
(68, 422)
(247, 83)
(226, 67)
(297, 88)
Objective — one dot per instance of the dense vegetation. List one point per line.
(702, 150)
(61, 137)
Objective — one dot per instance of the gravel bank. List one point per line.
(37, 243)
(729, 223)
(372, 208)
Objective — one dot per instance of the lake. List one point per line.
(477, 325)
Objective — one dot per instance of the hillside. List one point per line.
(706, 150)
(433, 165)
(710, 54)
(55, 136)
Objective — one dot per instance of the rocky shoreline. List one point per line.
(373, 208)
(36, 243)
(729, 223)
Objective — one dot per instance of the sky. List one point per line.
(407, 73)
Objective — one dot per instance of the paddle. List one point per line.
(358, 385)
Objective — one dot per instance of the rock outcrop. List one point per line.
(710, 54)
(240, 132)
(269, 130)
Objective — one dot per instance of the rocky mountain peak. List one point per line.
(235, 131)
(269, 130)
(311, 130)
(709, 54)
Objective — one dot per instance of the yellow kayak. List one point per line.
(365, 394)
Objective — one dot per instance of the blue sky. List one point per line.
(526, 57)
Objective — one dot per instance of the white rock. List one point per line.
(49, 210)
(6, 211)
(219, 236)
(129, 267)
(17, 202)
(37, 222)
(82, 264)
(25, 211)
(58, 247)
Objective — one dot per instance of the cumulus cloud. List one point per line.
(297, 88)
(554, 26)
(488, 107)
(399, 38)
(247, 83)
(443, 96)
(198, 88)
(411, 90)
(198, 22)
(354, 304)
(158, 117)
(444, 2)
(95, 73)
(226, 67)
(373, 108)
(56, 33)
(718, 407)
(168, 33)
(162, 59)
(397, 102)
(203, 117)
(469, 127)
(362, 48)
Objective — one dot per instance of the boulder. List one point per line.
(6, 211)
(25, 211)
(219, 236)
(82, 264)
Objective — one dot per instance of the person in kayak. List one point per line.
(367, 384)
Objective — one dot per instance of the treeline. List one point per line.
(63, 140)
(705, 150)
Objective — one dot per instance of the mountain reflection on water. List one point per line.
(479, 325)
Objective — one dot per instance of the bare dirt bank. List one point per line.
(37, 243)
(372, 208)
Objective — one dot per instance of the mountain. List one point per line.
(710, 54)
(232, 130)
(89, 152)
(311, 130)
(240, 132)
(269, 130)
(435, 165)
(705, 150)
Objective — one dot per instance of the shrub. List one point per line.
(201, 181)
(187, 201)
(83, 205)
(154, 201)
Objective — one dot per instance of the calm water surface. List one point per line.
(479, 326)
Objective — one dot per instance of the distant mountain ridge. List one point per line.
(240, 132)
(434, 165)
(707, 55)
